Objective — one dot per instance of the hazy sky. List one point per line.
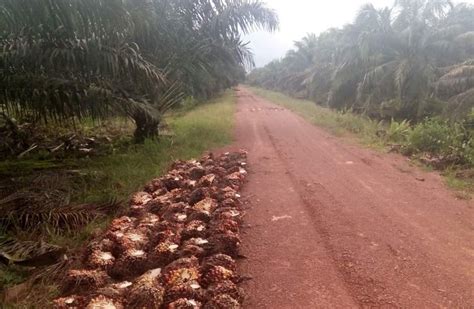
(299, 17)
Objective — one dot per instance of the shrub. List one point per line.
(432, 135)
(398, 132)
(442, 138)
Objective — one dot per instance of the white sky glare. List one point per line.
(300, 17)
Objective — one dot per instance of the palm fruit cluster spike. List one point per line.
(175, 247)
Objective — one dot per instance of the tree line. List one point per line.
(67, 60)
(409, 61)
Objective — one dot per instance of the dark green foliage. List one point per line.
(410, 61)
(73, 59)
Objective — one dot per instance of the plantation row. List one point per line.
(74, 59)
(406, 63)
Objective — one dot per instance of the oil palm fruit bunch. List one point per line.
(216, 274)
(182, 275)
(78, 280)
(185, 291)
(220, 260)
(221, 226)
(175, 247)
(146, 291)
(99, 259)
(185, 303)
(163, 253)
(227, 243)
(104, 302)
(132, 262)
(72, 301)
(116, 290)
(194, 229)
(222, 301)
(226, 287)
(141, 198)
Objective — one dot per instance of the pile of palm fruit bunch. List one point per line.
(174, 248)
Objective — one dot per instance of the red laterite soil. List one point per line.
(334, 225)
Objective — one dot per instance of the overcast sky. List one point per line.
(300, 17)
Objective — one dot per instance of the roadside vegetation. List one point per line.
(96, 98)
(404, 74)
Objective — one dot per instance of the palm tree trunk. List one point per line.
(146, 126)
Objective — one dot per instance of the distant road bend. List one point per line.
(334, 225)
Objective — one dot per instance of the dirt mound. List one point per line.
(175, 248)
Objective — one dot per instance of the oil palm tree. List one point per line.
(409, 61)
(70, 59)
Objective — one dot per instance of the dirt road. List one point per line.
(333, 225)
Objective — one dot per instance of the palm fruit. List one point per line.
(207, 180)
(223, 226)
(73, 301)
(200, 215)
(182, 263)
(218, 170)
(104, 245)
(141, 198)
(225, 287)
(136, 211)
(149, 222)
(78, 280)
(122, 224)
(228, 243)
(206, 204)
(189, 291)
(189, 250)
(154, 185)
(222, 301)
(115, 290)
(132, 239)
(159, 201)
(104, 302)
(200, 242)
(220, 260)
(168, 211)
(226, 213)
(198, 195)
(193, 229)
(185, 303)
(226, 193)
(163, 253)
(216, 274)
(179, 217)
(132, 262)
(196, 172)
(169, 234)
(230, 203)
(179, 195)
(100, 259)
(207, 160)
(172, 182)
(146, 292)
(234, 180)
(179, 276)
(190, 184)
